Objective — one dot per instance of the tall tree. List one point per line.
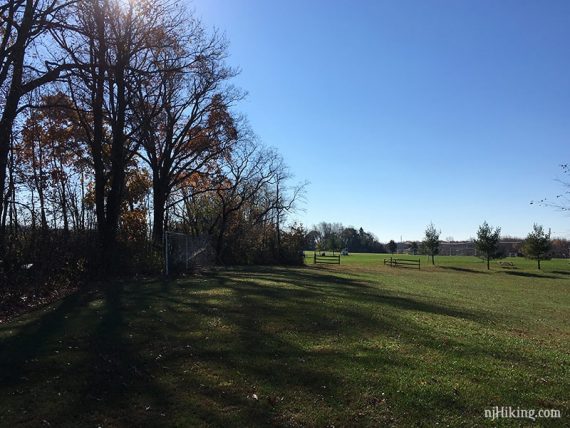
(25, 65)
(431, 241)
(537, 244)
(183, 109)
(112, 48)
(487, 241)
(392, 246)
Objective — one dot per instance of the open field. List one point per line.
(355, 344)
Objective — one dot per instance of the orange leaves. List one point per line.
(54, 129)
(134, 225)
(137, 186)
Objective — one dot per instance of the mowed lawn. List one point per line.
(356, 344)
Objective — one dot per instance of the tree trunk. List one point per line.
(12, 100)
(538, 260)
(6, 125)
(64, 210)
(220, 242)
(221, 233)
(488, 267)
(432, 259)
(159, 208)
(82, 221)
(43, 216)
(4, 149)
(278, 223)
(98, 60)
(38, 174)
(64, 206)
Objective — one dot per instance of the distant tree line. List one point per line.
(334, 237)
(488, 244)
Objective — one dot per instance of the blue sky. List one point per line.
(400, 113)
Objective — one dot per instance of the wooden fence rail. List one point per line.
(323, 258)
(402, 262)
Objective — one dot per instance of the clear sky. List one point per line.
(399, 113)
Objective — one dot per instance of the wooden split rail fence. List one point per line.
(402, 263)
(323, 258)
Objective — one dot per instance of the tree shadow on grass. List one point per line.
(32, 340)
(197, 350)
(104, 376)
(466, 270)
(75, 363)
(561, 272)
(306, 316)
(355, 290)
(270, 326)
(531, 275)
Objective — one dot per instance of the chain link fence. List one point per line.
(186, 253)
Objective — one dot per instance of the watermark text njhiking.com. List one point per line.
(508, 412)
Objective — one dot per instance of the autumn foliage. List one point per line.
(120, 121)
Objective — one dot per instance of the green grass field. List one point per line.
(356, 344)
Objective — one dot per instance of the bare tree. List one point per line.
(184, 116)
(562, 199)
(282, 199)
(241, 178)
